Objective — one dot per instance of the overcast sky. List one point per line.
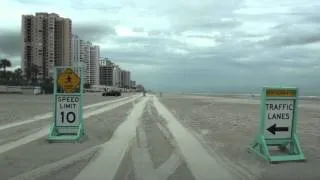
(208, 45)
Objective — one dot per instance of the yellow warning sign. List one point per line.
(280, 93)
(68, 80)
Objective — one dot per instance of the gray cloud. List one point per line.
(138, 29)
(247, 55)
(139, 39)
(150, 43)
(151, 50)
(235, 63)
(216, 38)
(288, 35)
(299, 39)
(202, 10)
(159, 33)
(207, 25)
(202, 36)
(241, 61)
(143, 50)
(312, 18)
(95, 5)
(93, 32)
(10, 42)
(42, 2)
(201, 16)
(298, 27)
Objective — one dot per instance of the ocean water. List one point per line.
(248, 95)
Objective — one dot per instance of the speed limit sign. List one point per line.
(67, 110)
(67, 122)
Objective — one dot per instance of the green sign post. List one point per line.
(278, 124)
(67, 121)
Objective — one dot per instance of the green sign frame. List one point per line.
(67, 132)
(289, 145)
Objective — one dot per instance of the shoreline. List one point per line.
(240, 95)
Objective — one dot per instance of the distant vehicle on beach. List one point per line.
(111, 92)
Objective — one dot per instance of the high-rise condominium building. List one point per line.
(116, 76)
(77, 51)
(132, 84)
(125, 79)
(81, 55)
(46, 42)
(94, 65)
(86, 55)
(106, 72)
(86, 61)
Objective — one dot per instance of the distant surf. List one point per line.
(246, 95)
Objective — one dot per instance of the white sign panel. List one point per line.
(67, 110)
(278, 119)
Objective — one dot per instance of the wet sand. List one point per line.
(99, 129)
(223, 126)
(18, 107)
(229, 126)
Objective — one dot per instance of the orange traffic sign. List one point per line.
(68, 80)
(281, 93)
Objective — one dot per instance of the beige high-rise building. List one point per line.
(46, 42)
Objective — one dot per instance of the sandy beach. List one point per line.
(37, 153)
(17, 107)
(228, 125)
(173, 137)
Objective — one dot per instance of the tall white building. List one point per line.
(116, 76)
(125, 79)
(76, 50)
(128, 79)
(94, 65)
(81, 56)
